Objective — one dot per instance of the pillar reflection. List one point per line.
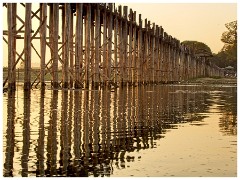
(10, 135)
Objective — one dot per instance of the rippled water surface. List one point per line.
(162, 130)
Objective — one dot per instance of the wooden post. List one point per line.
(66, 38)
(125, 35)
(71, 48)
(55, 20)
(78, 45)
(87, 43)
(156, 65)
(130, 55)
(121, 45)
(92, 51)
(153, 54)
(27, 47)
(170, 59)
(134, 68)
(145, 54)
(10, 46)
(14, 20)
(97, 50)
(161, 55)
(116, 33)
(105, 45)
(109, 48)
(43, 16)
(139, 61)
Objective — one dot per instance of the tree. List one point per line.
(198, 47)
(230, 37)
(228, 55)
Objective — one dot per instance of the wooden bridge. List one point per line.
(97, 45)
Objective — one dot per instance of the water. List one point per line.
(163, 130)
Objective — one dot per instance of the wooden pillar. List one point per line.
(71, 48)
(130, 55)
(66, 38)
(139, 60)
(116, 34)
(152, 79)
(87, 43)
(55, 22)
(43, 16)
(105, 45)
(171, 65)
(121, 68)
(125, 35)
(14, 29)
(165, 60)
(161, 49)
(92, 51)
(109, 47)
(145, 53)
(134, 68)
(96, 79)
(78, 45)
(27, 47)
(10, 46)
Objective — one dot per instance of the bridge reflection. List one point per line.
(89, 133)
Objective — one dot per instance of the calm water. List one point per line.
(164, 130)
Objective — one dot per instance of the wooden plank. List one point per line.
(43, 15)
(78, 45)
(27, 47)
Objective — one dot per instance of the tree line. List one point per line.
(228, 54)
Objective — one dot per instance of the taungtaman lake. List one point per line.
(147, 131)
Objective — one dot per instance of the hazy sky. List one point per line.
(204, 22)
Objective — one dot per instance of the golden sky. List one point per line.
(204, 22)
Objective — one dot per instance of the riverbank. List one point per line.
(212, 80)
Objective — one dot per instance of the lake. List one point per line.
(147, 131)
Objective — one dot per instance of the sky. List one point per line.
(203, 22)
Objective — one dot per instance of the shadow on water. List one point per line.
(86, 133)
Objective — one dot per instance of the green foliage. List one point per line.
(229, 37)
(198, 47)
(228, 55)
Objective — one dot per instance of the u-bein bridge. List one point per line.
(97, 45)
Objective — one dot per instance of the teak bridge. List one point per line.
(95, 45)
